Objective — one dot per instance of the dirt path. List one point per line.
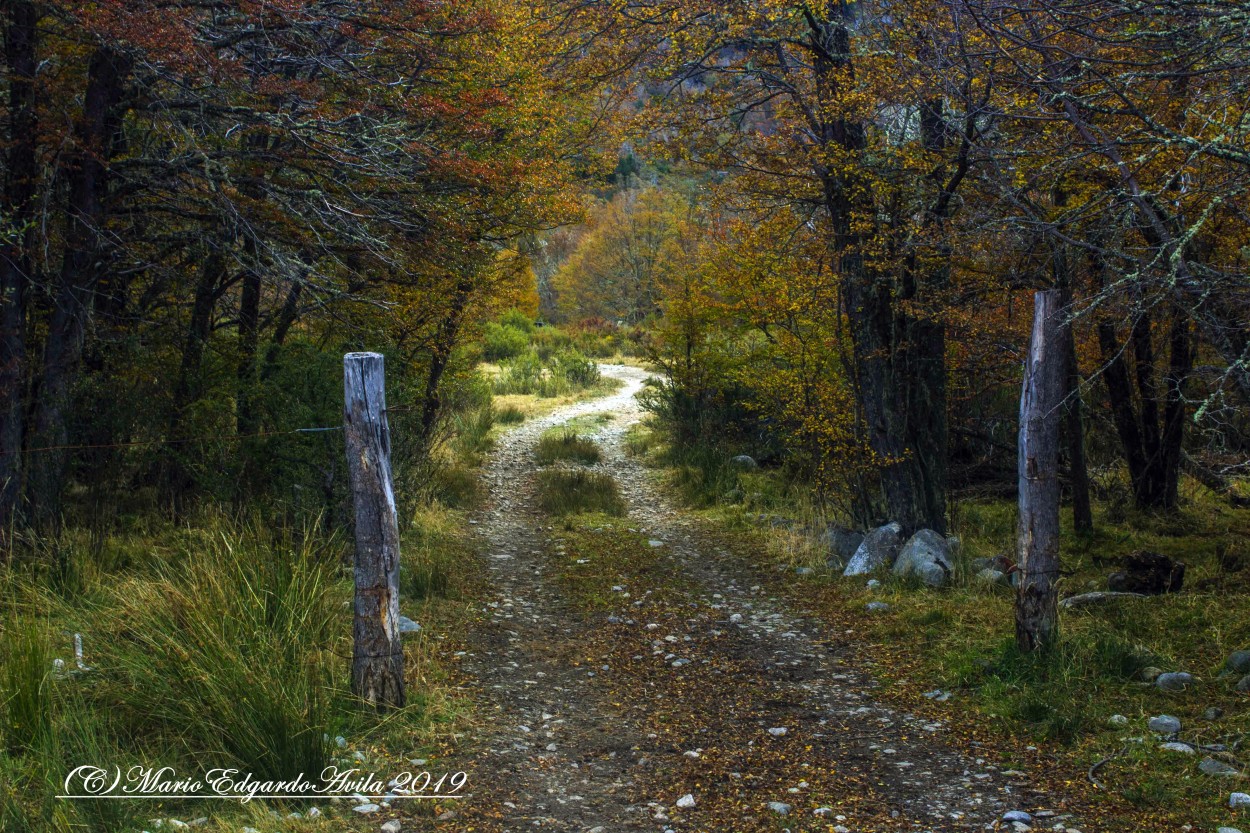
(603, 722)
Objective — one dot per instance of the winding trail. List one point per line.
(602, 722)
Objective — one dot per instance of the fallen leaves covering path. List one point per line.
(623, 667)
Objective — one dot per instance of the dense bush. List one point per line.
(518, 321)
(502, 341)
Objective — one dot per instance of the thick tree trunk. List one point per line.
(1120, 398)
(80, 271)
(899, 358)
(377, 654)
(901, 383)
(1037, 612)
(286, 319)
(1171, 451)
(21, 174)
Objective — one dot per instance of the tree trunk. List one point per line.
(1171, 443)
(286, 319)
(249, 334)
(440, 354)
(186, 388)
(1074, 427)
(1037, 614)
(1152, 432)
(80, 271)
(901, 381)
(21, 174)
(899, 359)
(377, 654)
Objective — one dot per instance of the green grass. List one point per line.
(563, 492)
(558, 375)
(455, 485)
(227, 646)
(472, 435)
(433, 557)
(641, 440)
(27, 687)
(509, 415)
(566, 444)
(230, 651)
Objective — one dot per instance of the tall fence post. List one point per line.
(377, 654)
(1037, 540)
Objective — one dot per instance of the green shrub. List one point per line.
(549, 341)
(501, 342)
(563, 492)
(566, 445)
(517, 320)
(579, 371)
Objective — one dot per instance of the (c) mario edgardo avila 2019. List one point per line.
(91, 781)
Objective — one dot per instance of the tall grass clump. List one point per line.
(565, 492)
(229, 655)
(509, 415)
(26, 695)
(563, 373)
(47, 729)
(472, 435)
(566, 445)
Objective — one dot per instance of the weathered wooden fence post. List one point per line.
(377, 654)
(1037, 612)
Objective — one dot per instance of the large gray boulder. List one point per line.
(927, 555)
(840, 544)
(877, 551)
